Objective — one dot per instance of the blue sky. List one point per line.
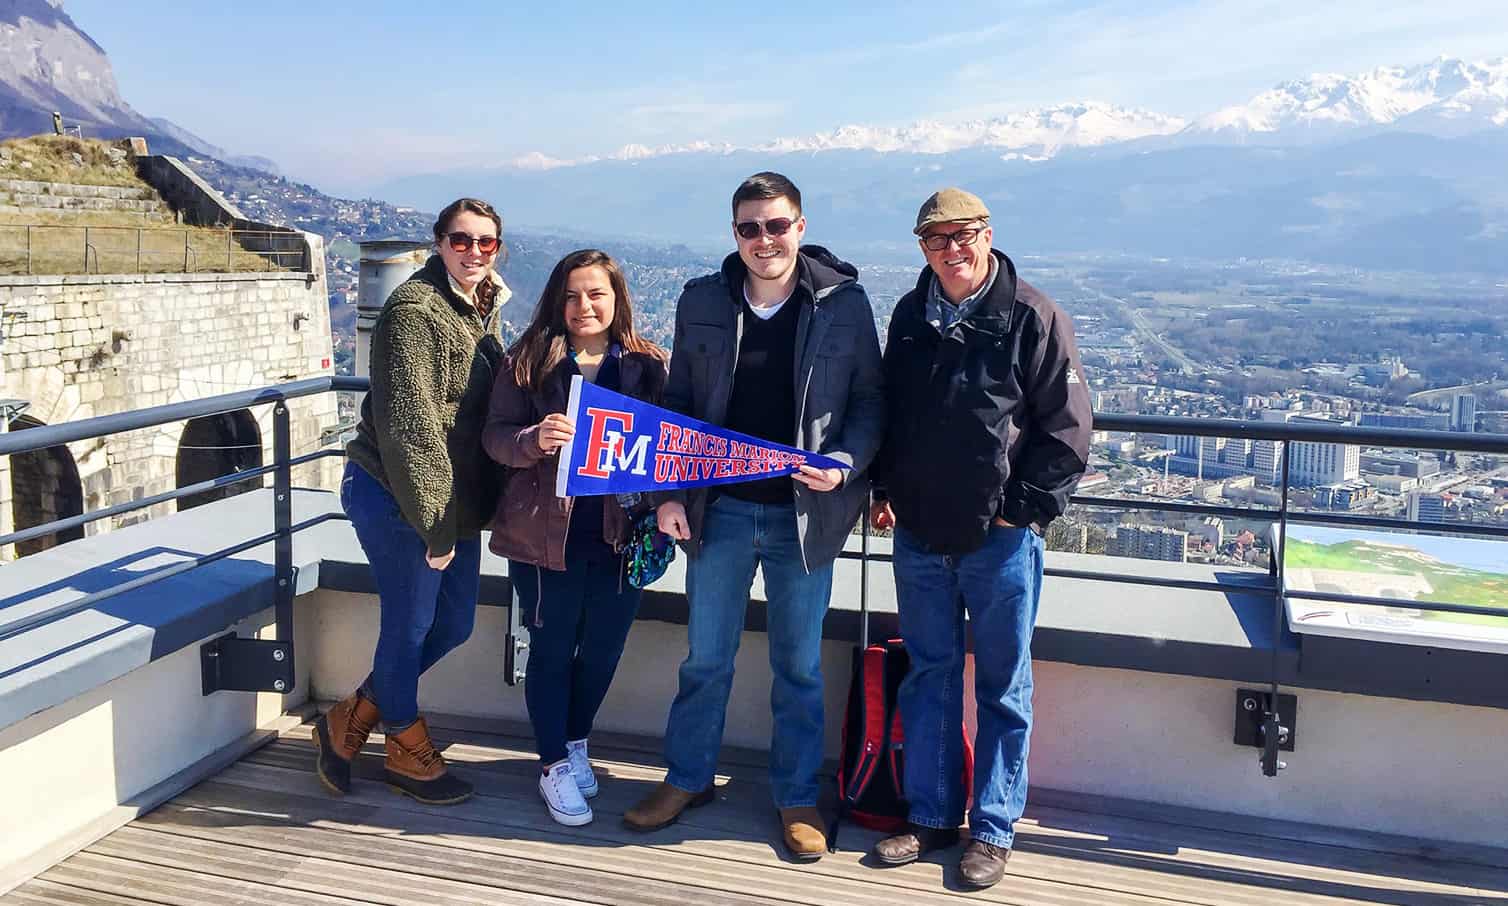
(346, 94)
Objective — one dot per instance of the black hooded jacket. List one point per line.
(989, 418)
(839, 390)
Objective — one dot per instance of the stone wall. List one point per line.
(193, 198)
(198, 203)
(31, 196)
(92, 345)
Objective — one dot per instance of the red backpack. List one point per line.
(871, 769)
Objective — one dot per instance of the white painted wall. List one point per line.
(1419, 769)
(66, 767)
(470, 680)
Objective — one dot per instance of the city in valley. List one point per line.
(1272, 342)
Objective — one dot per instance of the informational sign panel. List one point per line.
(1407, 569)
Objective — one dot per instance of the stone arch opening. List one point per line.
(45, 486)
(218, 445)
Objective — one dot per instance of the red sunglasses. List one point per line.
(461, 242)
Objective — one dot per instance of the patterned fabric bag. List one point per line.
(649, 551)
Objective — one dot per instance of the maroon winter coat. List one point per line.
(530, 522)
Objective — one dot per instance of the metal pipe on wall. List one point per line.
(385, 263)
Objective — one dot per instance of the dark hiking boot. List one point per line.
(415, 768)
(983, 864)
(913, 843)
(662, 807)
(339, 735)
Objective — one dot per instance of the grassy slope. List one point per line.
(51, 159)
(56, 239)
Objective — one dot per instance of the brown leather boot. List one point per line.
(415, 768)
(913, 843)
(983, 864)
(339, 735)
(804, 837)
(662, 807)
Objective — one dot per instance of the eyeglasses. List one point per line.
(936, 242)
(461, 242)
(776, 226)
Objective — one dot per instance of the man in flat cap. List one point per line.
(987, 437)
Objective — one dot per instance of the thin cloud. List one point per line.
(1190, 58)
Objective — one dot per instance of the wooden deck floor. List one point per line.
(265, 831)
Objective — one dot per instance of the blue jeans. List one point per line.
(578, 622)
(738, 536)
(999, 584)
(425, 612)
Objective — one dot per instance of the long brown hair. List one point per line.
(545, 343)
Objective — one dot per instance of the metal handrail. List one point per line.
(1455, 442)
(275, 257)
(136, 419)
(100, 426)
(188, 490)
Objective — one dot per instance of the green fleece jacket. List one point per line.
(420, 433)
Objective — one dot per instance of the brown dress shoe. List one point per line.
(983, 864)
(415, 768)
(663, 806)
(804, 837)
(339, 735)
(912, 843)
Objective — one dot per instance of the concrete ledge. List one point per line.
(1081, 621)
(72, 654)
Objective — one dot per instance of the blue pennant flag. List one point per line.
(623, 445)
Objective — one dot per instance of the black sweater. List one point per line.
(763, 403)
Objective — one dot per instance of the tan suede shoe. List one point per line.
(663, 806)
(804, 836)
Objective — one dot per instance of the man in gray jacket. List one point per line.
(779, 344)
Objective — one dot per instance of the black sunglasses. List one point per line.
(936, 242)
(461, 242)
(776, 226)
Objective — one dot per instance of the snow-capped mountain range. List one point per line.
(1445, 97)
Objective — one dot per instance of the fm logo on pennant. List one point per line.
(605, 451)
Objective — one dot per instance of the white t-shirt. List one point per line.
(769, 311)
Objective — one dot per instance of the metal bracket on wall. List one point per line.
(234, 664)
(515, 645)
(1254, 714)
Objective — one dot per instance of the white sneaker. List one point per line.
(558, 788)
(581, 767)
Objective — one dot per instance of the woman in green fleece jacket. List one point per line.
(418, 489)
